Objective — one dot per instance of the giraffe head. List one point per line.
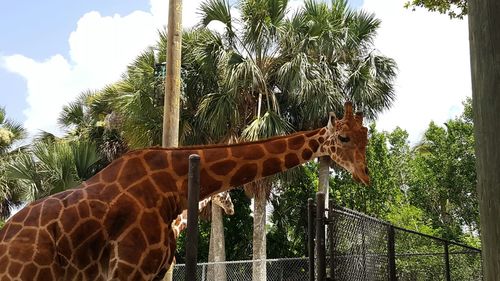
(223, 200)
(346, 141)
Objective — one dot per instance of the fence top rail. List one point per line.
(437, 238)
(353, 213)
(249, 261)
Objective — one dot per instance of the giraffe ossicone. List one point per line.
(117, 225)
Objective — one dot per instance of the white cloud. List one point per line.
(432, 53)
(99, 50)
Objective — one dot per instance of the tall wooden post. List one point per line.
(173, 75)
(484, 24)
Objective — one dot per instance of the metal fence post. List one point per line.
(331, 235)
(447, 261)
(192, 218)
(310, 236)
(320, 235)
(391, 252)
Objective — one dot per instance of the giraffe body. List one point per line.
(117, 225)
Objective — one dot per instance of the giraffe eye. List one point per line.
(344, 139)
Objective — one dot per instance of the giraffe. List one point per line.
(117, 224)
(222, 199)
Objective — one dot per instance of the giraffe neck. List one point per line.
(222, 166)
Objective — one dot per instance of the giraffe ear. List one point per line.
(331, 122)
(359, 118)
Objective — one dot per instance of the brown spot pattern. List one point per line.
(15, 268)
(164, 181)
(151, 222)
(253, 152)
(155, 160)
(145, 192)
(50, 210)
(152, 261)
(215, 154)
(34, 215)
(68, 218)
(306, 154)
(296, 142)
(132, 171)
(131, 245)
(207, 182)
(271, 166)
(276, 146)
(180, 161)
(244, 174)
(223, 167)
(120, 217)
(315, 132)
(313, 144)
(110, 173)
(291, 160)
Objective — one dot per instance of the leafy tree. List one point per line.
(10, 134)
(444, 176)
(454, 8)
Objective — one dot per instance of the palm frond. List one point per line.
(269, 125)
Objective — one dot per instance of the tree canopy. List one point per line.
(454, 8)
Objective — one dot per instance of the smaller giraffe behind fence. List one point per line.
(222, 200)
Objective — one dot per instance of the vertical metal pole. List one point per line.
(310, 236)
(192, 217)
(447, 261)
(320, 235)
(173, 75)
(204, 273)
(391, 253)
(331, 236)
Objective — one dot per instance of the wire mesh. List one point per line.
(359, 247)
(418, 257)
(290, 269)
(361, 250)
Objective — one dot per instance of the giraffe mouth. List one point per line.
(363, 178)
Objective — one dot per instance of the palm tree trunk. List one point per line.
(324, 176)
(259, 235)
(217, 247)
(484, 24)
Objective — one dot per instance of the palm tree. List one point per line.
(10, 133)
(91, 117)
(246, 106)
(333, 60)
(51, 165)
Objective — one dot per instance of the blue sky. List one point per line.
(52, 50)
(40, 29)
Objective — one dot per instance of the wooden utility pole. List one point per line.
(484, 36)
(173, 75)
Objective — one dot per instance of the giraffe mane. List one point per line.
(194, 147)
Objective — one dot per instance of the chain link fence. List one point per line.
(357, 248)
(289, 269)
(364, 248)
